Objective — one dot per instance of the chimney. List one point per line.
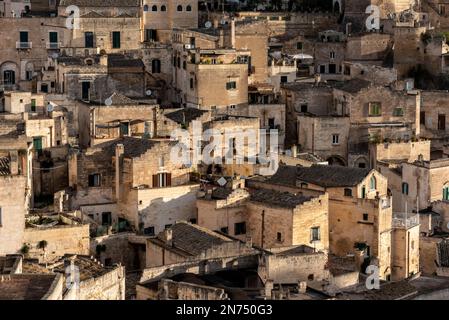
(119, 151)
(168, 236)
(294, 151)
(233, 33)
(104, 60)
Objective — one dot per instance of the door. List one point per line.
(332, 68)
(106, 219)
(124, 128)
(89, 39)
(37, 143)
(363, 192)
(9, 77)
(44, 87)
(441, 122)
(24, 39)
(53, 37)
(116, 39)
(85, 88)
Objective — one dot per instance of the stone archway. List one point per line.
(337, 6)
(361, 162)
(9, 73)
(336, 161)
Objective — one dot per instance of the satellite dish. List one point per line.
(223, 21)
(108, 101)
(208, 24)
(148, 92)
(55, 55)
(49, 107)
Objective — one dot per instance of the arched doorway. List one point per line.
(336, 161)
(337, 8)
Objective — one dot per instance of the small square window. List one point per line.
(374, 109)
(231, 85)
(240, 228)
(149, 231)
(315, 234)
(335, 139)
(348, 192)
(279, 237)
(365, 217)
(94, 180)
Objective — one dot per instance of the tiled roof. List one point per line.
(324, 176)
(119, 99)
(119, 60)
(134, 147)
(277, 198)
(185, 115)
(193, 239)
(26, 286)
(101, 3)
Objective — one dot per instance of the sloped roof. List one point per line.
(192, 239)
(324, 176)
(277, 198)
(185, 115)
(100, 3)
(118, 99)
(26, 286)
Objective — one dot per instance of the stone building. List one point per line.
(184, 242)
(147, 189)
(386, 114)
(358, 201)
(271, 218)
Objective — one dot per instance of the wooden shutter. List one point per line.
(155, 181)
(168, 179)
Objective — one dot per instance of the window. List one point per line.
(446, 193)
(33, 105)
(149, 231)
(240, 228)
(145, 8)
(441, 122)
(365, 217)
(372, 183)
(422, 117)
(231, 85)
(9, 77)
(53, 38)
(154, 8)
(88, 39)
(284, 79)
(163, 8)
(398, 112)
(150, 35)
(184, 65)
(304, 107)
(162, 180)
(116, 39)
(405, 188)
(192, 221)
(29, 75)
(179, 8)
(271, 123)
(335, 139)
(167, 226)
(322, 69)
(23, 36)
(279, 237)
(374, 109)
(224, 230)
(94, 180)
(315, 234)
(304, 185)
(348, 192)
(189, 8)
(191, 83)
(332, 55)
(299, 45)
(156, 66)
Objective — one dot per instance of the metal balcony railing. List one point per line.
(53, 45)
(23, 45)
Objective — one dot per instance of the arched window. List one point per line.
(189, 8)
(156, 66)
(163, 8)
(446, 193)
(154, 8)
(372, 183)
(179, 8)
(145, 8)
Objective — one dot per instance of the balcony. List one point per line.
(23, 45)
(400, 220)
(53, 45)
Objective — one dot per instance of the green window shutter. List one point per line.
(116, 39)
